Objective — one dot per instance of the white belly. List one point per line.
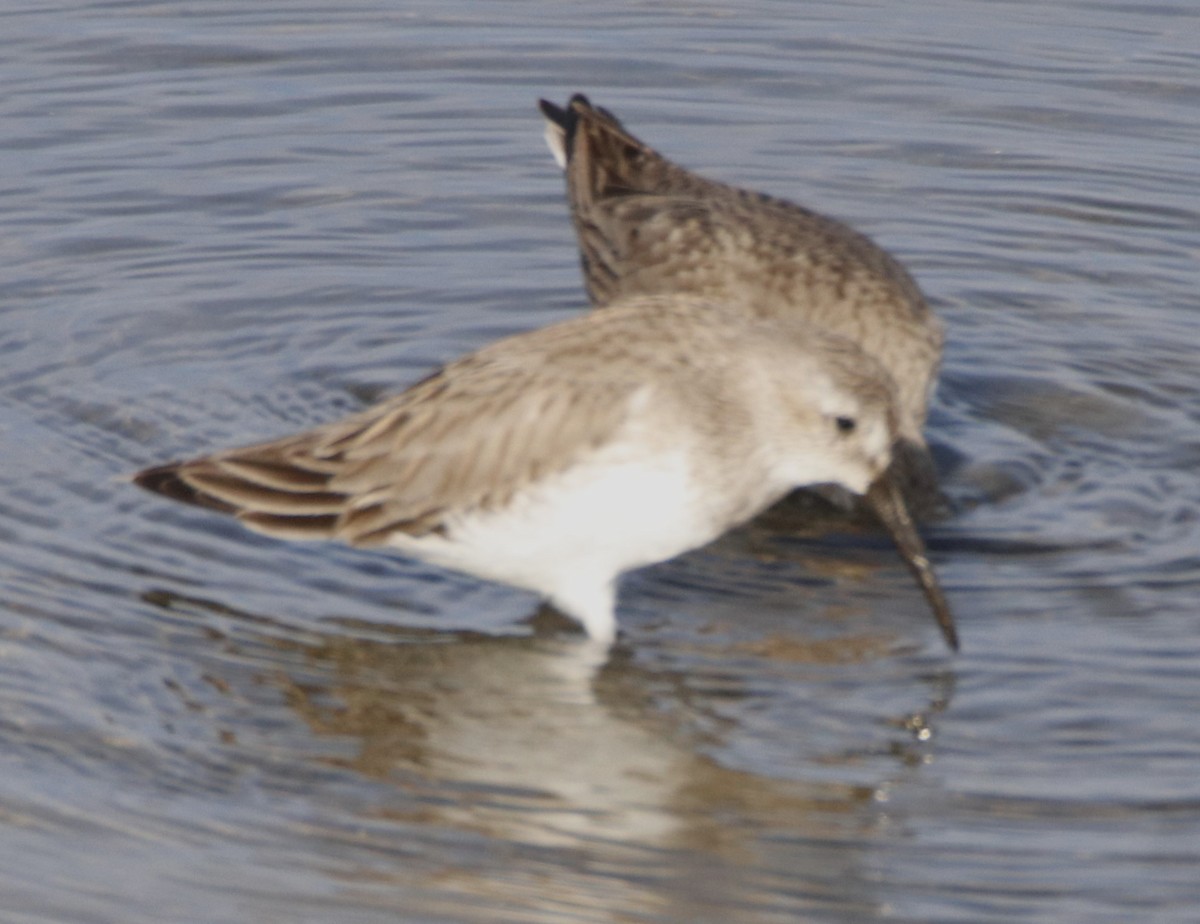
(568, 536)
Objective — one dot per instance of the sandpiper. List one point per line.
(557, 459)
(647, 226)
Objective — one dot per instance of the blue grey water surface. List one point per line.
(222, 221)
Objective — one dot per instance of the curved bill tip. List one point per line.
(885, 499)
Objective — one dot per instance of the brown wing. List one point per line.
(467, 437)
(647, 226)
(606, 166)
(604, 160)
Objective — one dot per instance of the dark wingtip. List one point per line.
(553, 113)
(167, 481)
(565, 116)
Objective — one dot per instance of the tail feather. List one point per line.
(581, 131)
(559, 123)
(609, 172)
(563, 123)
(603, 160)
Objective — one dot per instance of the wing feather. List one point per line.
(465, 438)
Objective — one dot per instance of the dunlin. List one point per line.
(557, 459)
(647, 226)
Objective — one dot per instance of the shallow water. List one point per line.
(221, 223)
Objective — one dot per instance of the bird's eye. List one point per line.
(845, 424)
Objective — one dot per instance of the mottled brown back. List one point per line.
(648, 226)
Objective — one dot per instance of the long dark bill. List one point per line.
(887, 502)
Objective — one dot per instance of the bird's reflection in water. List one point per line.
(551, 744)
